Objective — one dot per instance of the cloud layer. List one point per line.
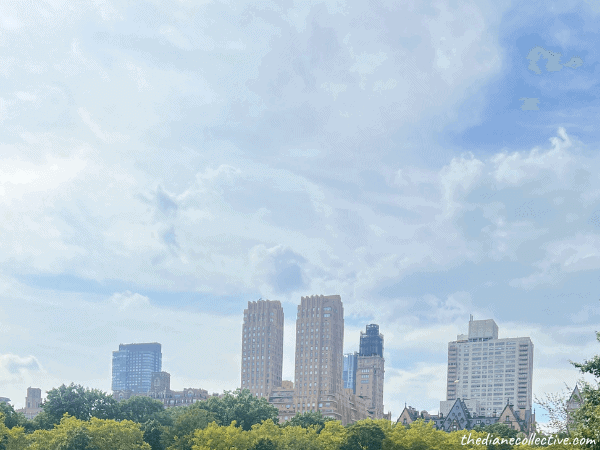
(163, 163)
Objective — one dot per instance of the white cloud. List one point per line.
(175, 37)
(128, 300)
(159, 156)
(14, 368)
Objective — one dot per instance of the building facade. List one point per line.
(133, 366)
(33, 403)
(370, 371)
(161, 390)
(493, 371)
(283, 399)
(459, 417)
(319, 350)
(319, 361)
(262, 347)
(349, 373)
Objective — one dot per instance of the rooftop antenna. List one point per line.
(471, 318)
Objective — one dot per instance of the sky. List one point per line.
(163, 163)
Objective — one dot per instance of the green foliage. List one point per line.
(240, 406)
(11, 439)
(11, 417)
(153, 434)
(499, 430)
(308, 419)
(587, 417)
(264, 444)
(186, 420)
(95, 434)
(79, 402)
(77, 439)
(140, 409)
(364, 435)
(591, 366)
(215, 437)
(40, 422)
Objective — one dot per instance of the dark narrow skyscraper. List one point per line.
(133, 365)
(371, 342)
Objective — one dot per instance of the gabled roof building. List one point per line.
(460, 418)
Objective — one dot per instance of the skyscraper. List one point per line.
(319, 350)
(490, 370)
(133, 365)
(262, 347)
(371, 370)
(349, 374)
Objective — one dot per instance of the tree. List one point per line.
(364, 435)
(153, 434)
(186, 420)
(40, 422)
(556, 406)
(499, 429)
(332, 436)
(587, 417)
(79, 402)
(215, 437)
(264, 444)
(95, 434)
(308, 419)
(11, 417)
(240, 406)
(140, 409)
(77, 439)
(112, 435)
(591, 366)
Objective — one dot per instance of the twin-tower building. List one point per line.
(321, 370)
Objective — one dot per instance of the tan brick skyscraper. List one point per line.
(319, 350)
(370, 371)
(262, 347)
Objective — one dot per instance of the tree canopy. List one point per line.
(240, 406)
(79, 402)
(308, 419)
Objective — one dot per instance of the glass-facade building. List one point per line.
(133, 365)
(349, 373)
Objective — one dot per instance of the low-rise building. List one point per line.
(160, 389)
(283, 399)
(459, 417)
(344, 406)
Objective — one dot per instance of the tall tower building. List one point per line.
(490, 371)
(370, 370)
(319, 350)
(262, 347)
(133, 365)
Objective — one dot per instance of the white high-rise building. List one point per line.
(490, 371)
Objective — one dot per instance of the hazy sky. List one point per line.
(162, 163)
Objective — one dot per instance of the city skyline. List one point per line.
(163, 163)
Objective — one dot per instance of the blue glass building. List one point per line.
(349, 373)
(133, 365)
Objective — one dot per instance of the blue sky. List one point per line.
(165, 162)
